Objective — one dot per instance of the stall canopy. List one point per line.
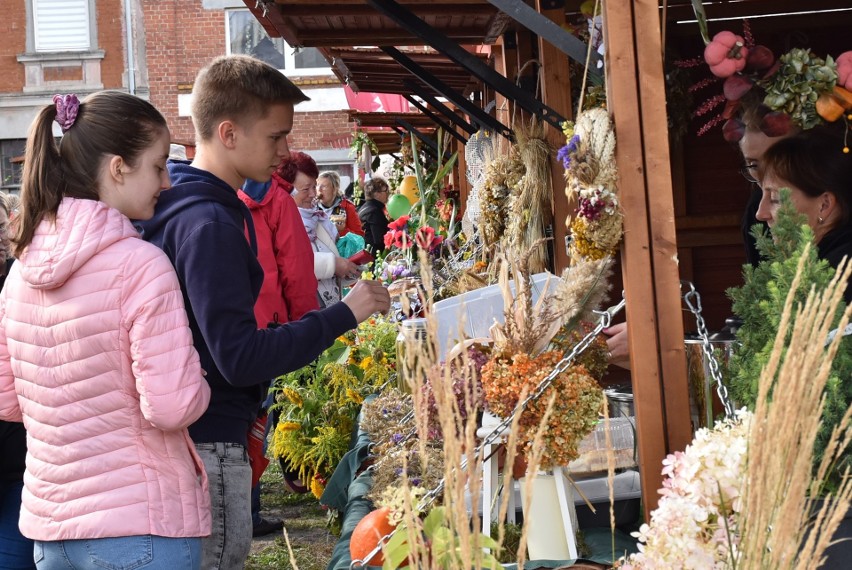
(452, 58)
(309, 23)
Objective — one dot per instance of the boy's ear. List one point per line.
(227, 132)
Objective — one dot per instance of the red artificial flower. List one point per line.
(399, 224)
(424, 236)
(402, 240)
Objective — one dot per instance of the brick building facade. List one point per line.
(170, 40)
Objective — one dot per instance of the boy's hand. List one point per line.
(366, 298)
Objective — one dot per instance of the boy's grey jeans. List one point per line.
(229, 474)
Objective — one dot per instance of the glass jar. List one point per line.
(411, 337)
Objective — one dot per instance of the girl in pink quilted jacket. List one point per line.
(96, 356)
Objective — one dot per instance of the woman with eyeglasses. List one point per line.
(753, 145)
(372, 213)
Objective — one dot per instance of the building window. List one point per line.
(61, 25)
(61, 53)
(11, 164)
(247, 37)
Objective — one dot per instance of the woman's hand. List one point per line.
(619, 351)
(345, 269)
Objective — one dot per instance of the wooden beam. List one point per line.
(410, 4)
(555, 80)
(683, 10)
(385, 36)
(652, 91)
(649, 254)
(509, 68)
(338, 9)
(381, 119)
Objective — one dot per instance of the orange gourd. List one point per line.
(832, 105)
(367, 535)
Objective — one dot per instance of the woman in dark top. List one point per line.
(374, 220)
(814, 166)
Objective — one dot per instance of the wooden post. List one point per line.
(649, 255)
(556, 93)
(504, 64)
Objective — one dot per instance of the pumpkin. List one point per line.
(726, 54)
(844, 70)
(831, 106)
(367, 534)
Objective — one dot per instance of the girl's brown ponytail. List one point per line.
(41, 185)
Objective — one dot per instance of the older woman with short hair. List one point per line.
(300, 170)
(372, 213)
(340, 210)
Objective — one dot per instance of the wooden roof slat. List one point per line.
(368, 119)
(336, 9)
(307, 23)
(373, 70)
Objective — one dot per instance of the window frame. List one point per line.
(7, 153)
(33, 30)
(290, 69)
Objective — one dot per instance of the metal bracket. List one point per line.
(543, 26)
(431, 146)
(438, 120)
(409, 21)
(440, 107)
(414, 131)
(458, 99)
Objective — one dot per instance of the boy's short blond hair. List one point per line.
(238, 88)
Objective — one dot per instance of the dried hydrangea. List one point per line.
(695, 524)
(467, 388)
(798, 83)
(576, 409)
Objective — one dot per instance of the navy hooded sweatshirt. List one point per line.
(201, 225)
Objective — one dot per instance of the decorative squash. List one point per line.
(367, 534)
(844, 70)
(831, 106)
(726, 54)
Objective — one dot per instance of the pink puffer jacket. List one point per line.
(97, 357)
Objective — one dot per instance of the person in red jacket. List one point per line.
(289, 290)
(341, 211)
(289, 287)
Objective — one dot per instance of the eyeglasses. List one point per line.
(747, 170)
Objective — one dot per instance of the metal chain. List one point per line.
(604, 321)
(693, 302)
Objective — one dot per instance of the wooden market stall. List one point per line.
(682, 202)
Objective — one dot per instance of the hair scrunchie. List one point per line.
(67, 107)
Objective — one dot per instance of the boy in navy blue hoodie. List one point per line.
(242, 111)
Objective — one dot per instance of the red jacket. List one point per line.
(289, 287)
(353, 222)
